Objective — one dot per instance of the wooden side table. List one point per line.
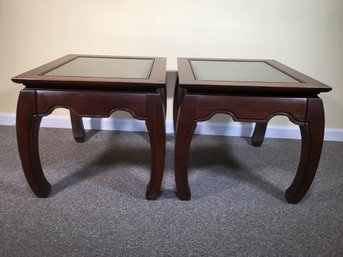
(252, 91)
(93, 86)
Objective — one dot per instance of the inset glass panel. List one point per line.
(239, 71)
(105, 68)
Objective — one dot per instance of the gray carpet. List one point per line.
(97, 205)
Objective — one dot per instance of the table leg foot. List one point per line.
(312, 134)
(151, 195)
(77, 127)
(27, 126)
(259, 133)
(184, 196)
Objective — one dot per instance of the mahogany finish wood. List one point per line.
(198, 100)
(145, 99)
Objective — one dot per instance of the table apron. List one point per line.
(93, 103)
(249, 108)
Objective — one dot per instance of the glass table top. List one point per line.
(104, 67)
(238, 71)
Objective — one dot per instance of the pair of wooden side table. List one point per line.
(96, 86)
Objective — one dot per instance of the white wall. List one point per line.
(306, 35)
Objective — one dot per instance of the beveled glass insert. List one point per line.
(105, 68)
(239, 71)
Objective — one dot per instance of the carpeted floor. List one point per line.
(97, 206)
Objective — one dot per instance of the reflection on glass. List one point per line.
(105, 67)
(240, 71)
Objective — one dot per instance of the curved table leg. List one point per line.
(185, 127)
(163, 93)
(156, 127)
(312, 134)
(78, 129)
(176, 103)
(27, 136)
(259, 133)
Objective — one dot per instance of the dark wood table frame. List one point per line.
(145, 99)
(196, 100)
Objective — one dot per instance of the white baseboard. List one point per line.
(7, 119)
(203, 128)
